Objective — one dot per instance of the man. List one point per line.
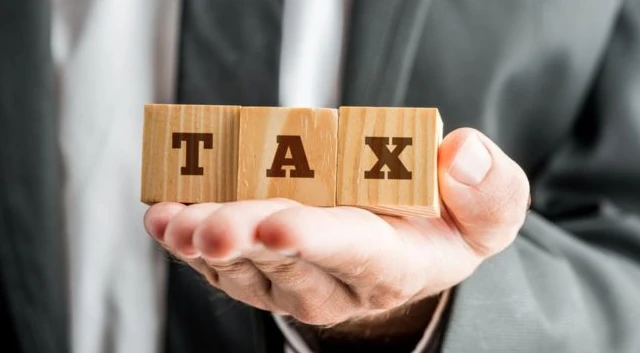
(554, 86)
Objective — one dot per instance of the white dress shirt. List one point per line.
(313, 33)
(112, 57)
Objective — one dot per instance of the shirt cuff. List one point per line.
(294, 342)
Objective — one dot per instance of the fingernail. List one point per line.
(472, 163)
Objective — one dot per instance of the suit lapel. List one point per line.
(382, 46)
(31, 254)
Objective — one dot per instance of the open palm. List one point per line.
(326, 266)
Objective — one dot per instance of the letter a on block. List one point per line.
(387, 160)
(288, 152)
(293, 145)
(189, 153)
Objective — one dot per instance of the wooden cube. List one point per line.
(387, 160)
(189, 153)
(288, 152)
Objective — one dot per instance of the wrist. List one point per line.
(405, 323)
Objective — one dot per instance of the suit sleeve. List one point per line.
(571, 280)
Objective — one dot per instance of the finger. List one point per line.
(301, 289)
(353, 245)
(200, 265)
(179, 233)
(227, 239)
(231, 229)
(241, 280)
(157, 218)
(484, 191)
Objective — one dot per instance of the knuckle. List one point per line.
(235, 268)
(275, 267)
(253, 299)
(282, 271)
(354, 273)
(319, 309)
(361, 270)
(210, 274)
(238, 279)
(386, 297)
(306, 312)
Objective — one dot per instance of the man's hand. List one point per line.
(325, 266)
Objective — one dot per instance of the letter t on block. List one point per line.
(189, 153)
(388, 158)
(288, 152)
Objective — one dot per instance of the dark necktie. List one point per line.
(229, 54)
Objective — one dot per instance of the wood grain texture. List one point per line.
(266, 133)
(167, 129)
(388, 190)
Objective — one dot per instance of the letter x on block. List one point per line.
(391, 159)
(387, 160)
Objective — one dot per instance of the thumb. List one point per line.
(484, 191)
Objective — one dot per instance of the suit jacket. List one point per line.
(555, 83)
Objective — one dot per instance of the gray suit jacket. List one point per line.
(555, 83)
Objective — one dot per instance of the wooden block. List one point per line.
(288, 152)
(387, 160)
(189, 153)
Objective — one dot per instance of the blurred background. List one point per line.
(556, 84)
